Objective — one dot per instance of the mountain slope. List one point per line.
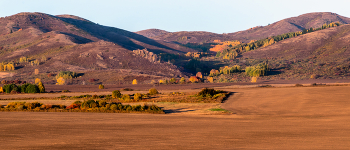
(305, 21)
(76, 44)
(323, 54)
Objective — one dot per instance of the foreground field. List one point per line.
(264, 118)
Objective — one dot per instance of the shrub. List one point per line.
(258, 70)
(298, 85)
(172, 80)
(102, 103)
(41, 87)
(182, 80)
(113, 107)
(32, 88)
(137, 96)
(116, 94)
(153, 91)
(207, 92)
(1, 90)
(24, 87)
(9, 87)
(214, 72)
(73, 106)
(33, 105)
(77, 102)
(14, 104)
(127, 89)
(66, 75)
(101, 86)
(14, 92)
(89, 104)
(126, 97)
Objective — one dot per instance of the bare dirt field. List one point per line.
(263, 118)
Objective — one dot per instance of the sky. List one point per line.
(218, 16)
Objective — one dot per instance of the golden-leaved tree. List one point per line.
(134, 81)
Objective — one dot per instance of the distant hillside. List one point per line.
(72, 43)
(323, 54)
(293, 24)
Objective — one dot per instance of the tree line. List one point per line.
(231, 51)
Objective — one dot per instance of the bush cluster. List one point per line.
(104, 106)
(24, 88)
(207, 92)
(116, 94)
(153, 91)
(258, 70)
(78, 106)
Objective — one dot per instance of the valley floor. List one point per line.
(262, 118)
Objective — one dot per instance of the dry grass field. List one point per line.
(262, 118)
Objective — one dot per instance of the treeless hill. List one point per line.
(305, 21)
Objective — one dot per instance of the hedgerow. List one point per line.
(87, 106)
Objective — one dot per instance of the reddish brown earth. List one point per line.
(264, 118)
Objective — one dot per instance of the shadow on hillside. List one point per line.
(78, 39)
(274, 72)
(115, 35)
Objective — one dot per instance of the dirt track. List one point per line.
(266, 118)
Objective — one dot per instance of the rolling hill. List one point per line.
(293, 24)
(321, 54)
(67, 42)
(102, 54)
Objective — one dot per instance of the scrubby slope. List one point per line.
(324, 54)
(293, 24)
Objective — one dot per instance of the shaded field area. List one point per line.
(263, 118)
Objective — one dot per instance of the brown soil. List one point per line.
(265, 118)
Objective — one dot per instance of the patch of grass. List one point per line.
(219, 109)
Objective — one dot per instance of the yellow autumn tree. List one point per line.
(37, 80)
(199, 75)
(1, 89)
(194, 79)
(224, 45)
(41, 87)
(134, 81)
(61, 81)
(211, 79)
